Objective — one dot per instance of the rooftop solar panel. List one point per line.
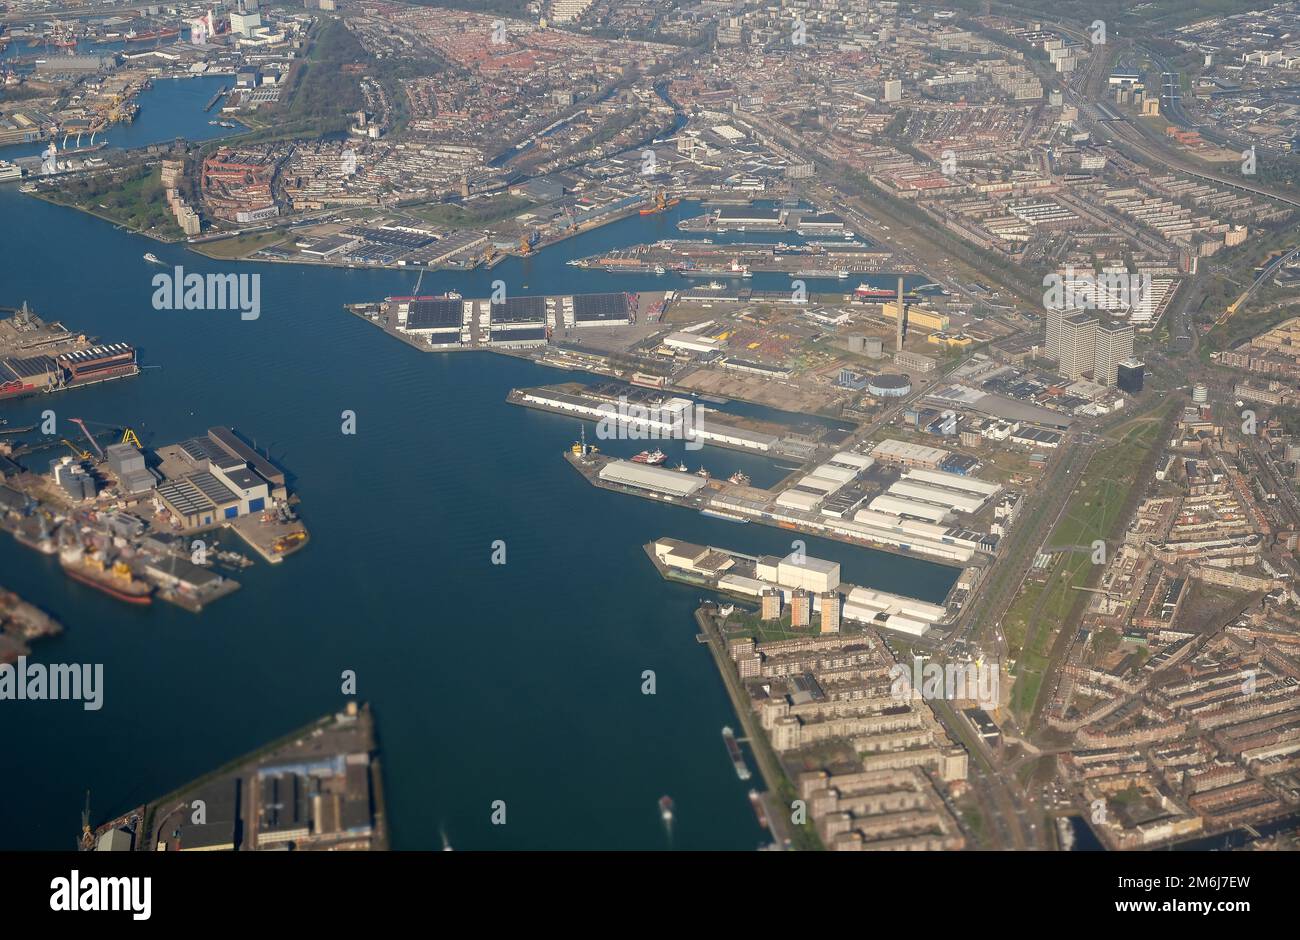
(427, 314)
(519, 308)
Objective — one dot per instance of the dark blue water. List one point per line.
(172, 108)
(518, 682)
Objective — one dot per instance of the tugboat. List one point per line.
(650, 459)
(702, 472)
(739, 478)
(682, 468)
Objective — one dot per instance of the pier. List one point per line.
(220, 93)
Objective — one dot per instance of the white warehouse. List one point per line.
(654, 479)
(901, 506)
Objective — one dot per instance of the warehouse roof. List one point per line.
(656, 479)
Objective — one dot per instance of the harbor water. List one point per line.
(519, 682)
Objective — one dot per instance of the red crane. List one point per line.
(90, 437)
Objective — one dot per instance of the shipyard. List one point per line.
(135, 524)
(37, 357)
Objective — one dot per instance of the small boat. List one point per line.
(756, 801)
(702, 472)
(666, 810)
(152, 258)
(739, 478)
(682, 468)
(650, 459)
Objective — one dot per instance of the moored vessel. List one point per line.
(116, 581)
(650, 458)
(733, 749)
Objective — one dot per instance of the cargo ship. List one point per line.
(733, 749)
(865, 292)
(661, 204)
(151, 34)
(116, 581)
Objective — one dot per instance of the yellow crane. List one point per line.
(76, 452)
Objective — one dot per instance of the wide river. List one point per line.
(518, 682)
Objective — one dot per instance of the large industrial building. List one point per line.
(815, 581)
(127, 464)
(216, 478)
(651, 479)
(909, 455)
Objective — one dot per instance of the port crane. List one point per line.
(77, 452)
(90, 437)
(129, 436)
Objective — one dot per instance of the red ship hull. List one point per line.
(108, 589)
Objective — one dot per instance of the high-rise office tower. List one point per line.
(1078, 345)
(1114, 344)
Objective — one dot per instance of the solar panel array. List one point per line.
(519, 309)
(600, 306)
(431, 314)
(26, 368)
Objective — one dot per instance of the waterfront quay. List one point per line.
(319, 788)
(735, 500)
(703, 258)
(787, 582)
(647, 414)
(515, 324)
(136, 525)
(40, 357)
